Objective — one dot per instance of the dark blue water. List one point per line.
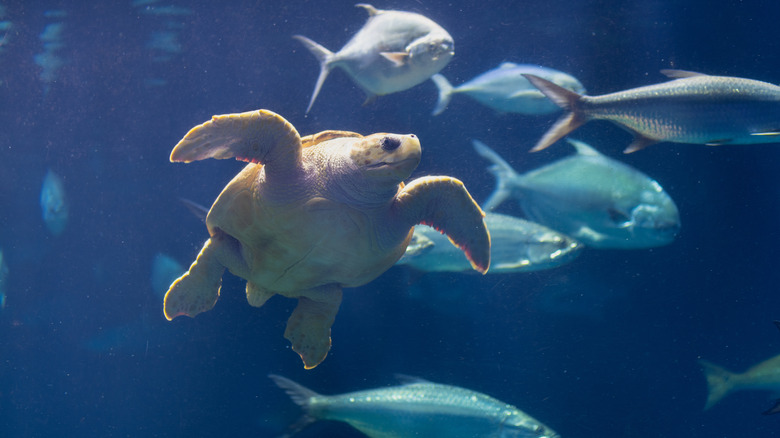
(85, 349)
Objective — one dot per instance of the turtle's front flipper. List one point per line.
(308, 328)
(444, 203)
(258, 136)
(198, 289)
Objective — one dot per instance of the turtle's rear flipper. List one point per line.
(308, 328)
(444, 203)
(197, 290)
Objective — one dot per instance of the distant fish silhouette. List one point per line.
(54, 204)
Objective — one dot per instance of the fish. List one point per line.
(417, 408)
(692, 108)
(590, 197)
(506, 90)
(517, 245)
(393, 51)
(764, 376)
(50, 61)
(3, 280)
(54, 203)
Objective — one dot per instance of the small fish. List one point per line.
(517, 245)
(394, 51)
(764, 376)
(3, 280)
(506, 90)
(693, 108)
(599, 201)
(416, 409)
(54, 203)
(50, 61)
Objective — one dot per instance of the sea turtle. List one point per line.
(311, 215)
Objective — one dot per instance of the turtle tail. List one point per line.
(324, 56)
(302, 397)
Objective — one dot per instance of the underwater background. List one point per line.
(604, 346)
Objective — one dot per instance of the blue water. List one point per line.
(86, 352)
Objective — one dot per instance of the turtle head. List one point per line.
(387, 158)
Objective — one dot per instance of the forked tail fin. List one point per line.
(719, 382)
(323, 56)
(564, 98)
(445, 93)
(501, 170)
(302, 397)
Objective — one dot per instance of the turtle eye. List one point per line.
(389, 144)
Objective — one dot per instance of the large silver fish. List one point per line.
(54, 204)
(516, 245)
(599, 201)
(506, 90)
(417, 409)
(394, 51)
(692, 108)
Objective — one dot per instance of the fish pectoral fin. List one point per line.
(768, 133)
(527, 94)
(640, 142)
(718, 142)
(397, 58)
(370, 99)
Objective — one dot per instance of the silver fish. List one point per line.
(764, 376)
(54, 204)
(599, 201)
(516, 245)
(506, 90)
(394, 51)
(693, 108)
(417, 409)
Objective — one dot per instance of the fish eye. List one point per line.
(389, 144)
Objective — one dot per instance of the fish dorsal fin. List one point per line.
(397, 58)
(370, 9)
(583, 148)
(406, 379)
(507, 64)
(679, 74)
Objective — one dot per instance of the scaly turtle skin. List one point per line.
(312, 215)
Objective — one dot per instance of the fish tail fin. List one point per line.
(324, 56)
(302, 397)
(445, 93)
(503, 172)
(720, 382)
(564, 98)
